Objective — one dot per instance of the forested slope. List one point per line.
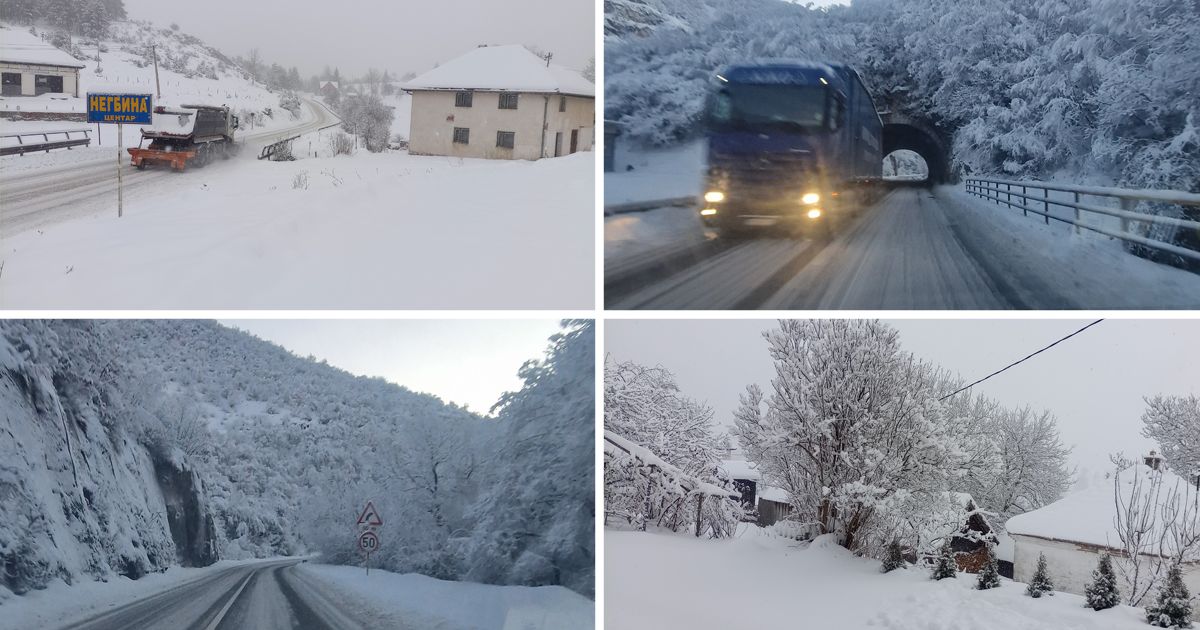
(1103, 90)
(276, 454)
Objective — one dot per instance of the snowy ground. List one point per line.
(383, 230)
(668, 581)
(423, 602)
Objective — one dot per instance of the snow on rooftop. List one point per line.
(512, 68)
(741, 469)
(1089, 516)
(21, 46)
(771, 493)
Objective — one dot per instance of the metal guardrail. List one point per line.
(21, 148)
(282, 147)
(644, 206)
(990, 189)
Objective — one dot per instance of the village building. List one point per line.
(501, 102)
(31, 67)
(1073, 531)
(765, 505)
(330, 89)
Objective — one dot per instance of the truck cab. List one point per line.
(790, 144)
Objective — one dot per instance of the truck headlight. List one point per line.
(810, 198)
(815, 213)
(714, 196)
(708, 212)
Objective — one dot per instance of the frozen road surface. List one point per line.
(917, 248)
(262, 596)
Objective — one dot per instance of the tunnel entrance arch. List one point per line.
(901, 132)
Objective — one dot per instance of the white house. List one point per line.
(501, 102)
(1073, 531)
(30, 66)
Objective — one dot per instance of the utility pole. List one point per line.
(157, 85)
(549, 55)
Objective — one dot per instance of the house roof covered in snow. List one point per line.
(771, 493)
(617, 445)
(332, 84)
(21, 46)
(503, 68)
(1089, 516)
(741, 469)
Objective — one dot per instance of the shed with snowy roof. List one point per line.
(501, 102)
(1073, 531)
(30, 66)
(766, 505)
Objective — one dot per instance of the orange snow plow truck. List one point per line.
(197, 134)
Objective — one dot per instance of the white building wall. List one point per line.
(70, 76)
(434, 117)
(1070, 565)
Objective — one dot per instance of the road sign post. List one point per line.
(119, 109)
(368, 537)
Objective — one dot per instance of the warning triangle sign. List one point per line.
(369, 516)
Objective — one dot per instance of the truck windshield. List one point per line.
(795, 106)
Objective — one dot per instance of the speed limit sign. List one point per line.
(368, 541)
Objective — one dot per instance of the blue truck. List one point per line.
(790, 143)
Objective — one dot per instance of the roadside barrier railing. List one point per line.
(22, 147)
(1034, 197)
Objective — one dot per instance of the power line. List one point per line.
(1018, 362)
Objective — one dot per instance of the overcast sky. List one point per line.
(397, 35)
(1093, 383)
(469, 362)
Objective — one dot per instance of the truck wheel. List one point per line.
(141, 166)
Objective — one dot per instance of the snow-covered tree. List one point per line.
(1040, 584)
(644, 405)
(852, 428)
(1173, 422)
(989, 577)
(946, 566)
(1102, 592)
(535, 516)
(1173, 607)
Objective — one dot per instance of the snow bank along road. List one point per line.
(37, 198)
(917, 248)
(266, 596)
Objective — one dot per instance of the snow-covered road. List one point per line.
(37, 198)
(917, 248)
(266, 596)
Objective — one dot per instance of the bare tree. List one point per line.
(1157, 523)
(254, 63)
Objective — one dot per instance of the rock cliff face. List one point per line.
(80, 493)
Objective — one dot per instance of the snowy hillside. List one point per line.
(88, 490)
(1099, 88)
(189, 72)
(146, 444)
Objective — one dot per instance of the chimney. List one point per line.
(1153, 460)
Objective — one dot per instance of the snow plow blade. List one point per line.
(176, 159)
